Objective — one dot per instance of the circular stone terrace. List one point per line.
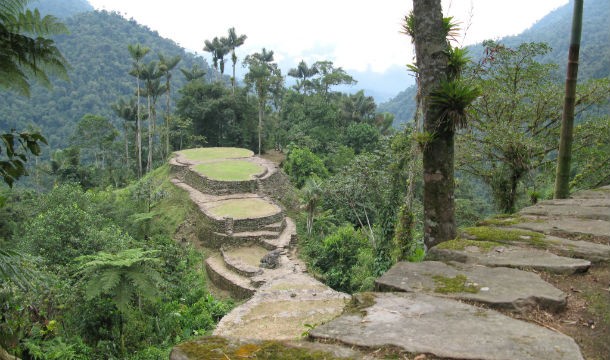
(229, 165)
(242, 208)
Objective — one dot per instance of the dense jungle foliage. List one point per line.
(89, 264)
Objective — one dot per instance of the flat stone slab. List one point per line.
(420, 323)
(282, 309)
(513, 257)
(570, 226)
(599, 193)
(553, 208)
(577, 248)
(499, 287)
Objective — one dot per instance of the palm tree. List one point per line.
(26, 52)
(564, 158)
(302, 72)
(193, 73)
(263, 76)
(218, 48)
(312, 192)
(233, 42)
(126, 110)
(137, 53)
(166, 65)
(123, 277)
(152, 90)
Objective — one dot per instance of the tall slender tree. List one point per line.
(166, 65)
(262, 77)
(233, 42)
(302, 73)
(564, 159)
(218, 49)
(193, 73)
(127, 111)
(431, 49)
(152, 90)
(137, 53)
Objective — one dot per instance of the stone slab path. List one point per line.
(514, 257)
(283, 299)
(442, 307)
(500, 287)
(420, 323)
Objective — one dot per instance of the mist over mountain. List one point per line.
(553, 29)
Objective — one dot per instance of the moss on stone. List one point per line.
(360, 302)
(218, 348)
(507, 236)
(457, 284)
(501, 220)
(461, 244)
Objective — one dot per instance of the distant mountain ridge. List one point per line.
(62, 9)
(96, 50)
(553, 29)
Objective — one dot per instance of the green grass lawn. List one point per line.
(215, 153)
(229, 170)
(244, 208)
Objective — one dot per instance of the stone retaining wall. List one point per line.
(215, 232)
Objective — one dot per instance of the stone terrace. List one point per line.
(463, 302)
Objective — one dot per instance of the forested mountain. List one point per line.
(62, 9)
(553, 29)
(96, 50)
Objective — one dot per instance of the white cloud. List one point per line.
(355, 34)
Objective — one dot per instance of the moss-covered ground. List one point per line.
(229, 170)
(506, 236)
(243, 208)
(457, 284)
(215, 153)
(217, 348)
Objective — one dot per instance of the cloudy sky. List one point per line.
(355, 34)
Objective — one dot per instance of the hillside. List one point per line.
(96, 50)
(553, 29)
(62, 9)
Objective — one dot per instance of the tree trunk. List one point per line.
(4, 355)
(261, 107)
(139, 130)
(125, 127)
(430, 46)
(564, 159)
(167, 117)
(150, 133)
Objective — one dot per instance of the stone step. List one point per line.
(244, 260)
(287, 238)
(572, 228)
(445, 328)
(578, 211)
(577, 248)
(282, 309)
(599, 193)
(276, 227)
(500, 287)
(224, 278)
(244, 238)
(506, 256)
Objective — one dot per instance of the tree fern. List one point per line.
(122, 276)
